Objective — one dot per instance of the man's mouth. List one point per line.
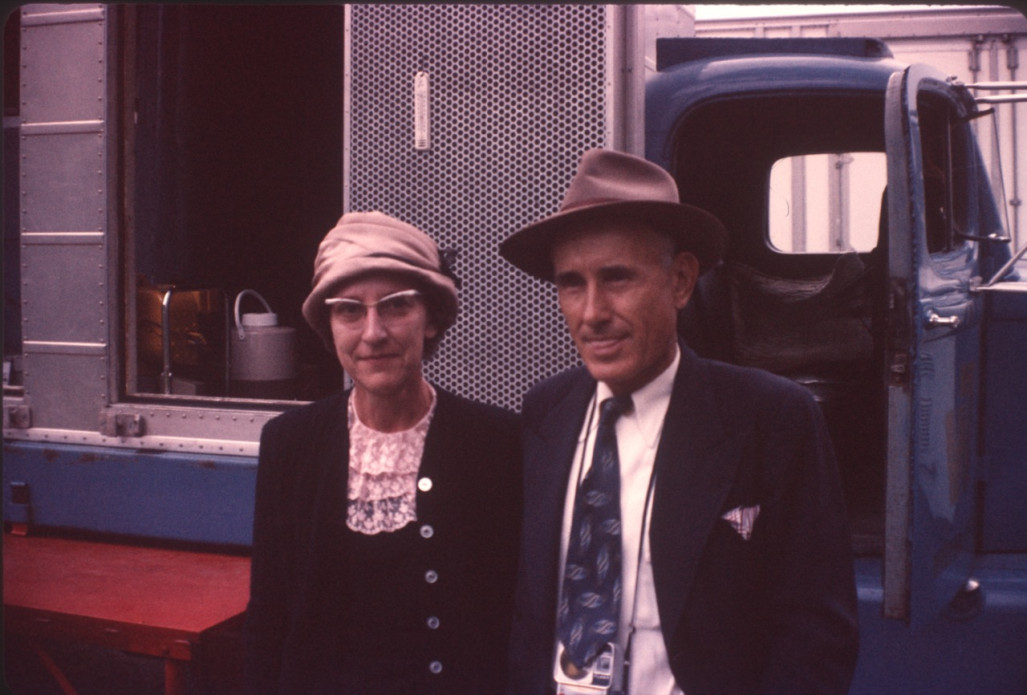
(601, 345)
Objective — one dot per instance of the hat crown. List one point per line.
(610, 183)
(607, 176)
(363, 234)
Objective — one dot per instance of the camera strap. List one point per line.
(646, 519)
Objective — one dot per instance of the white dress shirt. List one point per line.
(638, 436)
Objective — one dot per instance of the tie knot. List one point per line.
(613, 408)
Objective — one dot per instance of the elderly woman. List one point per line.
(386, 517)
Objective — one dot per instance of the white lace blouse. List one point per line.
(382, 490)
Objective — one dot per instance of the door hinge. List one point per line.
(899, 335)
(898, 368)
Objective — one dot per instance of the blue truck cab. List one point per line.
(869, 261)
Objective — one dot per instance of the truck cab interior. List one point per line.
(803, 289)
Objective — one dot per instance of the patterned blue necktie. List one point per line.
(590, 604)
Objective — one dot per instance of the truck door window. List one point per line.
(826, 202)
(946, 173)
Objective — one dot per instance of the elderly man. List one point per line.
(684, 529)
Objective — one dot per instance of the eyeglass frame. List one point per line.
(349, 301)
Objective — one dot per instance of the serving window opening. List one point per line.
(233, 154)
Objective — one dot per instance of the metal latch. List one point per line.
(18, 417)
(121, 424)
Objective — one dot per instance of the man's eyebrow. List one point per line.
(566, 277)
(617, 271)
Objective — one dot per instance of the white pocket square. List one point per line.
(742, 519)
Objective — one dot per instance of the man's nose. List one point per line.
(597, 305)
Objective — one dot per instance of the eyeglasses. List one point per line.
(392, 307)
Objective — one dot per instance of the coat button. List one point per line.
(431, 576)
(433, 623)
(435, 667)
(427, 531)
(424, 484)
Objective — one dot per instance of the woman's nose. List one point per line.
(374, 329)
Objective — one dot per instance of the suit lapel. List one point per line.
(550, 442)
(695, 467)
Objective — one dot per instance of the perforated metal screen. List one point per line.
(516, 94)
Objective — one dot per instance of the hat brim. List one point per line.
(692, 229)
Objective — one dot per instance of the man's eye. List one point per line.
(618, 276)
(567, 283)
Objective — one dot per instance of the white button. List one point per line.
(427, 531)
(431, 576)
(435, 667)
(424, 484)
(433, 623)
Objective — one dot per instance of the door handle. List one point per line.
(934, 319)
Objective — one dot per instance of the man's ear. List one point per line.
(685, 274)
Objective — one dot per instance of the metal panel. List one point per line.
(62, 181)
(516, 93)
(192, 498)
(69, 384)
(64, 292)
(55, 42)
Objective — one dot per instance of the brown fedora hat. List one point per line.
(610, 183)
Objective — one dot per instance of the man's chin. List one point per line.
(606, 371)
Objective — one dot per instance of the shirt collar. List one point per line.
(650, 402)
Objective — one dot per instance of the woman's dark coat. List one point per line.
(456, 563)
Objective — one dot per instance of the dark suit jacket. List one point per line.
(301, 575)
(773, 614)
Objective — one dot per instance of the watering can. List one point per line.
(262, 353)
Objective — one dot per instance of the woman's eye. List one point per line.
(348, 312)
(396, 305)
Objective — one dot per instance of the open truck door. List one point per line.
(934, 347)
(866, 245)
